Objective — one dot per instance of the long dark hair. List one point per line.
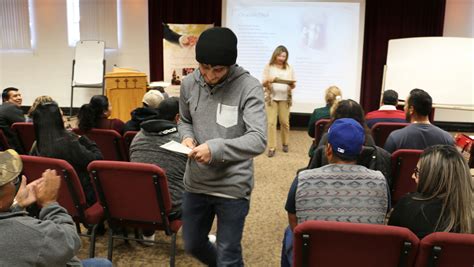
(49, 129)
(90, 114)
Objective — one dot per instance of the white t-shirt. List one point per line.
(280, 90)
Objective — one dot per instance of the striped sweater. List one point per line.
(341, 192)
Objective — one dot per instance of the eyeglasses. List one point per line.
(416, 172)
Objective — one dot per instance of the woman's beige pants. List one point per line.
(281, 110)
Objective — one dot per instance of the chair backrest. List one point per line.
(319, 130)
(381, 131)
(446, 249)
(26, 133)
(403, 165)
(131, 193)
(127, 139)
(71, 195)
(325, 243)
(4, 145)
(109, 141)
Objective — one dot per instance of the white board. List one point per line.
(89, 69)
(442, 66)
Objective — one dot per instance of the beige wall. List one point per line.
(46, 70)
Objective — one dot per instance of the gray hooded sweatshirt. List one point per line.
(231, 119)
(51, 240)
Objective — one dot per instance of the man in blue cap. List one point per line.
(340, 191)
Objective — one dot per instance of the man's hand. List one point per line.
(189, 142)
(47, 190)
(201, 154)
(292, 86)
(26, 193)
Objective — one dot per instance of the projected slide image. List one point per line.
(323, 41)
(313, 31)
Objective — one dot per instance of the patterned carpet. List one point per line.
(264, 225)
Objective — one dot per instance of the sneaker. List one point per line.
(271, 153)
(147, 240)
(212, 239)
(285, 148)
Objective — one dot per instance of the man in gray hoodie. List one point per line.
(223, 121)
(52, 239)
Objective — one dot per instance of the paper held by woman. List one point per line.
(278, 80)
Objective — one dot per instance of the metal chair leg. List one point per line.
(110, 244)
(173, 250)
(92, 241)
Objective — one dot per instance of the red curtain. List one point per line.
(172, 11)
(391, 19)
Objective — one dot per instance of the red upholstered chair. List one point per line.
(4, 145)
(110, 143)
(134, 195)
(403, 165)
(26, 134)
(319, 130)
(335, 244)
(127, 139)
(446, 250)
(381, 131)
(71, 196)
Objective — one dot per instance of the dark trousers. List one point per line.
(199, 211)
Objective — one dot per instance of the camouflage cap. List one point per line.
(10, 166)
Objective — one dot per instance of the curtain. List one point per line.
(171, 11)
(14, 25)
(391, 19)
(99, 21)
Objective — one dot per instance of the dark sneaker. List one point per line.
(271, 153)
(285, 148)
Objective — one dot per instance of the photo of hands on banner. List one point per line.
(179, 41)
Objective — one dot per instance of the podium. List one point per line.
(125, 89)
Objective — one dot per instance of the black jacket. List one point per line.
(79, 152)
(140, 115)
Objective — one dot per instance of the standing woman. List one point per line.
(278, 97)
(442, 201)
(95, 115)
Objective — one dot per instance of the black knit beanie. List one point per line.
(217, 46)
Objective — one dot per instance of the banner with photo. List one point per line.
(179, 55)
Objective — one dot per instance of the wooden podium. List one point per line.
(125, 89)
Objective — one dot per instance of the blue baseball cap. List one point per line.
(346, 137)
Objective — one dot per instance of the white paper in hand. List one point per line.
(176, 147)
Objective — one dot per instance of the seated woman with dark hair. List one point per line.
(348, 108)
(442, 201)
(95, 115)
(53, 141)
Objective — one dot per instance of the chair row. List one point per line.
(112, 145)
(129, 194)
(380, 131)
(323, 243)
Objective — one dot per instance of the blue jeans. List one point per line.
(287, 248)
(96, 262)
(198, 215)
